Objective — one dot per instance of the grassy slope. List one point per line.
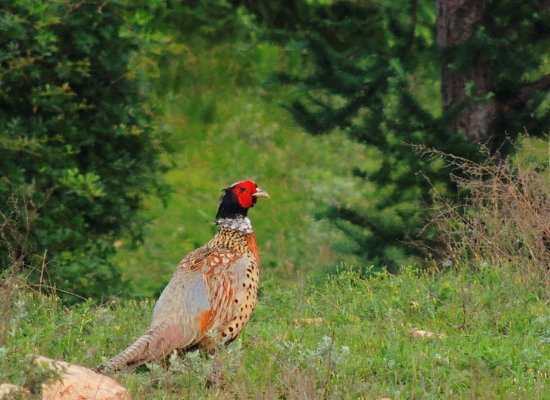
(496, 347)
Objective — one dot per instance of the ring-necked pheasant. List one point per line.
(212, 293)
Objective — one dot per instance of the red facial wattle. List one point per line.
(244, 191)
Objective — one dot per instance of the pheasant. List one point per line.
(213, 292)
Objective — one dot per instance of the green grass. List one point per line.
(494, 341)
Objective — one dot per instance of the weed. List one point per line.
(504, 221)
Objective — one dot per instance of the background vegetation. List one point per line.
(80, 147)
(332, 322)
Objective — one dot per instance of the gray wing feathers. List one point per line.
(182, 300)
(174, 324)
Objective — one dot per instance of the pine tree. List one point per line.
(375, 72)
(495, 65)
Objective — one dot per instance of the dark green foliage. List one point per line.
(79, 148)
(373, 71)
(288, 14)
(360, 83)
(515, 40)
(211, 20)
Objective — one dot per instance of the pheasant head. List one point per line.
(238, 198)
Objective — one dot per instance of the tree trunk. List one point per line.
(457, 21)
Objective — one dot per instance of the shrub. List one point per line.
(79, 146)
(504, 221)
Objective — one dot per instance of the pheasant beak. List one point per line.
(260, 193)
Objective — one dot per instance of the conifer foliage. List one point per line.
(392, 74)
(494, 66)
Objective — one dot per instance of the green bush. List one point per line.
(78, 140)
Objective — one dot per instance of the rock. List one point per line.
(419, 333)
(79, 383)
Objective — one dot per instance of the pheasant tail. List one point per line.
(159, 341)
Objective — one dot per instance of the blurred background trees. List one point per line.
(79, 145)
(394, 75)
(83, 148)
